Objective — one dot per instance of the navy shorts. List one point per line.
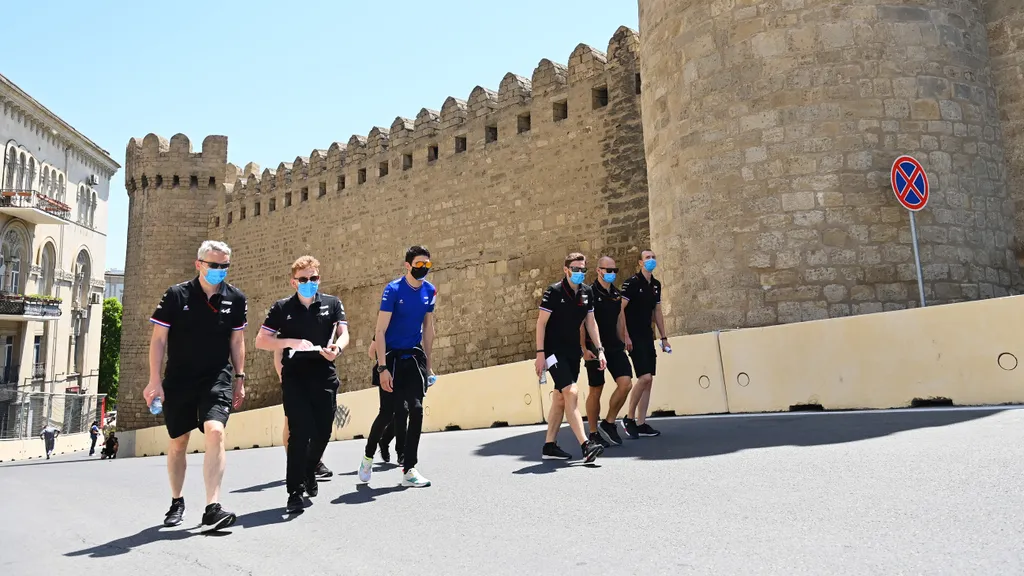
(188, 405)
(645, 359)
(566, 370)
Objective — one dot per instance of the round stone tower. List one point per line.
(172, 193)
(770, 129)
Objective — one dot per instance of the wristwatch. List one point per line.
(381, 367)
(601, 349)
(240, 376)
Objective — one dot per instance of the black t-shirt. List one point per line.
(568, 310)
(289, 318)
(200, 329)
(642, 298)
(607, 305)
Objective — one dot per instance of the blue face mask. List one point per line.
(308, 289)
(609, 277)
(577, 277)
(650, 264)
(216, 276)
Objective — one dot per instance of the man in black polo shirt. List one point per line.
(641, 302)
(566, 306)
(611, 323)
(200, 324)
(310, 330)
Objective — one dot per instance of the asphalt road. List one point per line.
(923, 492)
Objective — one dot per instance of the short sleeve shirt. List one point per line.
(289, 318)
(642, 298)
(607, 306)
(408, 307)
(200, 329)
(568, 309)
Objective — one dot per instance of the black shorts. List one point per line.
(617, 365)
(645, 359)
(188, 405)
(566, 370)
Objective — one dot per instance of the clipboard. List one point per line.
(334, 335)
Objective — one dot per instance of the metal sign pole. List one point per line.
(917, 258)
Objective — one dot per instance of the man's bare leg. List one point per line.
(555, 415)
(570, 397)
(645, 402)
(637, 394)
(214, 459)
(622, 387)
(594, 407)
(176, 464)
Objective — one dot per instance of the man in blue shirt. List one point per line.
(403, 340)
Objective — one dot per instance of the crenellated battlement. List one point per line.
(520, 106)
(155, 162)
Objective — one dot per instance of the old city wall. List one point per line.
(770, 131)
(500, 187)
(171, 193)
(1006, 46)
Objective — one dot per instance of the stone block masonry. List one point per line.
(500, 187)
(770, 130)
(748, 141)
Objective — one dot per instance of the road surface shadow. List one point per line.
(365, 494)
(683, 438)
(260, 487)
(129, 543)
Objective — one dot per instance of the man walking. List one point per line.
(565, 306)
(310, 330)
(641, 303)
(611, 324)
(49, 435)
(199, 325)
(395, 430)
(404, 340)
(322, 471)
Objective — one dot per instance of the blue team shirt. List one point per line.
(408, 307)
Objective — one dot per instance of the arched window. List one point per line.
(83, 275)
(21, 172)
(12, 167)
(30, 184)
(61, 189)
(92, 211)
(47, 263)
(13, 248)
(44, 181)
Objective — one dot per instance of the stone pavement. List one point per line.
(899, 492)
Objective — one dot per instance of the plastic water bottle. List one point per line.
(156, 407)
(430, 380)
(543, 378)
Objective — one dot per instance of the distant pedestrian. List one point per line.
(49, 436)
(94, 435)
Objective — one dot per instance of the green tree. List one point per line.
(110, 349)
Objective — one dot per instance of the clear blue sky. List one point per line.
(278, 79)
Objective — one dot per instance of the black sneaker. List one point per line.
(216, 518)
(595, 437)
(294, 503)
(609, 433)
(323, 471)
(591, 450)
(553, 452)
(630, 428)
(176, 513)
(312, 488)
(401, 459)
(646, 430)
(385, 453)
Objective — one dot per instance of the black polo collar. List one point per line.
(611, 291)
(222, 288)
(294, 300)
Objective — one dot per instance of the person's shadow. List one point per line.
(364, 494)
(165, 534)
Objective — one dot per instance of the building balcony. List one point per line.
(33, 207)
(21, 308)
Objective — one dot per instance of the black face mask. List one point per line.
(420, 273)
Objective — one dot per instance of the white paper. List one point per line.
(291, 353)
(551, 360)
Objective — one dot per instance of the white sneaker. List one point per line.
(365, 469)
(412, 478)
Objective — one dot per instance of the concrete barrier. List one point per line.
(967, 353)
(35, 447)
(687, 381)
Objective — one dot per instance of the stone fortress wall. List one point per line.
(753, 156)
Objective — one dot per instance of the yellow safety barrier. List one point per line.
(32, 448)
(967, 353)
(687, 381)
(507, 395)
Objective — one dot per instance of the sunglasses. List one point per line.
(304, 279)
(578, 268)
(612, 270)
(216, 265)
(422, 264)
